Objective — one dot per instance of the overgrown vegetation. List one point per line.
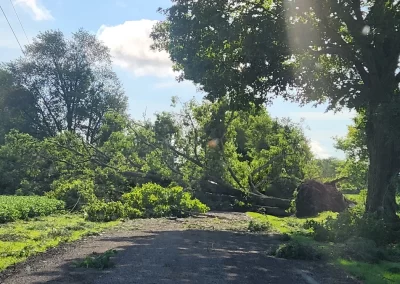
(259, 226)
(297, 250)
(153, 200)
(358, 243)
(148, 201)
(14, 208)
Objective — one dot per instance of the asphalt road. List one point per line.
(206, 250)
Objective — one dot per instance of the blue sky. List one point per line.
(124, 26)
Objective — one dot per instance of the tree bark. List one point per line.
(257, 199)
(390, 206)
(382, 168)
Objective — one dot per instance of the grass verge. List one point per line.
(288, 225)
(383, 272)
(21, 239)
(369, 273)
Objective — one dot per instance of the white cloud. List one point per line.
(39, 11)
(318, 150)
(130, 47)
(344, 115)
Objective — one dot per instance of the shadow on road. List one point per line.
(193, 256)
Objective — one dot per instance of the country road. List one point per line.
(213, 249)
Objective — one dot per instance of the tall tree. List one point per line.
(17, 109)
(344, 52)
(70, 81)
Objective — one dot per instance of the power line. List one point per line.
(19, 20)
(12, 29)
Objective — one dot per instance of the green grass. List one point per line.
(382, 272)
(288, 225)
(358, 198)
(21, 239)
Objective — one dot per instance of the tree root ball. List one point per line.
(314, 197)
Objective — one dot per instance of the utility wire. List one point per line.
(12, 29)
(19, 20)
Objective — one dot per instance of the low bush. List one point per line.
(75, 193)
(319, 230)
(348, 224)
(259, 226)
(14, 208)
(153, 200)
(297, 250)
(361, 249)
(104, 212)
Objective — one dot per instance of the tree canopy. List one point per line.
(344, 53)
(67, 83)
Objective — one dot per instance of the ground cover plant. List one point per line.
(14, 208)
(21, 239)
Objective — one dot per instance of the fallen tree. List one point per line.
(314, 197)
(214, 157)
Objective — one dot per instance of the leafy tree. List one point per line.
(328, 168)
(342, 52)
(354, 145)
(22, 168)
(69, 82)
(17, 109)
(238, 153)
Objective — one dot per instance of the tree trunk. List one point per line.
(389, 204)
(256, 199)
(382, 168)
(69, 118)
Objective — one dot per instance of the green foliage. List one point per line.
(75, 193)
(362, 257)
(17, 109)
(153, 200)
(289, 225)
(78, 72)
(97, 261)
(259, 226)
(328, 169)
(22, 168)
(104, 212)
(270, 48)
(342, 53)
(256, 151)
(297, 250)
(242, 149)
(361, 249)
(351, 223)
(13, 208)
(372, 273)
(354, 145)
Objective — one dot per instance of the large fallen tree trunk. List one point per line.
(272, 205)
(264, 200)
